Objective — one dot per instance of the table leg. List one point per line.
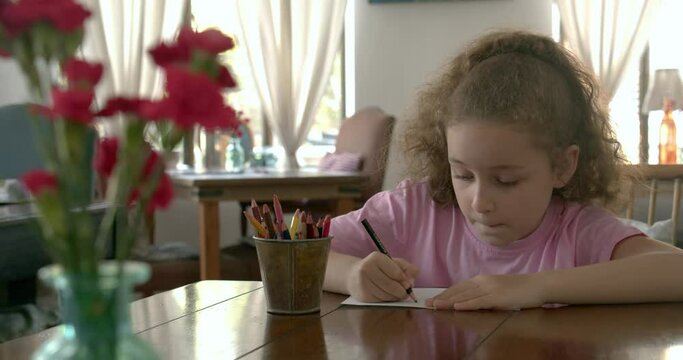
(209, 238)
(345, 205)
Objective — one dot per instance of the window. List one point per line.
(322, 137)
(624, 111)
(665, 53)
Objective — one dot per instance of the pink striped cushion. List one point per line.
(341, 162)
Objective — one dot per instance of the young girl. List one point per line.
(511, 155)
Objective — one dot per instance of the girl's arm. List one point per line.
(338, 270)
(641, 270)
(374, 278)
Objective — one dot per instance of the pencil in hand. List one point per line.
(382, 249)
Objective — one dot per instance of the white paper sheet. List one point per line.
(421, 294)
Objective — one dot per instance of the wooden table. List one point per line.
(228, 319)
(211, 188)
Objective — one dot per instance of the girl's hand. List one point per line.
(508, 292)
(379, 278)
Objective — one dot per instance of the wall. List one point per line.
(399, 46)
(12, 84)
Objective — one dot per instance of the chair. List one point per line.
(368, 133)
(655, 195)
(19, 139)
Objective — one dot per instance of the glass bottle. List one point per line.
(234, 156)
(667, 136)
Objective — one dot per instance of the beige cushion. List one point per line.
(341, 162)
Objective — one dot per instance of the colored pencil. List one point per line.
(271, 224)
(277, 207)
(255, 210)
(294, 227)
(326, 226)
(260, 230)
(269, 221)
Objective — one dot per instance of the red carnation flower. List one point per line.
(210, 41)
(106, 156)
(73, 105)
(167, 54)
(14, 19)
(79, 71)
(162, 196)
(39, 181)
(121, 104)
(152, 161)
(186, 109)
(224, 118)
(163, 193)
(154, 110)
(65, 15)
(225, 78)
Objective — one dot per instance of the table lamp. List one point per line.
(665, 92)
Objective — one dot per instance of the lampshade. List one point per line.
(667, 83)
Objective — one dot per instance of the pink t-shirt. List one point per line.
(441, 243)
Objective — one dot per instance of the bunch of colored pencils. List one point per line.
(303, 225)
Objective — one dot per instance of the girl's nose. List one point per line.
(482, 201)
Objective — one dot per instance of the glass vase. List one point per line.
(234, 156)
(95, 311)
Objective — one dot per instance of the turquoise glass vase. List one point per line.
(234, 156)
(95, 311)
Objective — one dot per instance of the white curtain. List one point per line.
(291, 46)
(607, 35)
(119, 34)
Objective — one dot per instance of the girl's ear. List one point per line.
(566, 166)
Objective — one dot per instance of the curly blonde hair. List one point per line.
(531, 83)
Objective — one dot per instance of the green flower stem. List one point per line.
(40, 84)
(52, 225)
(56, 226)
(172, 138)
(74, 182)
(201, 62)
(114, 197)
(145, 196)
(128, 237)
(120, 184)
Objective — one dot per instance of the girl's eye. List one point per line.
(463, 177)
(506, 182)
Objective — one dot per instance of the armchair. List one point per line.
(367, 133)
